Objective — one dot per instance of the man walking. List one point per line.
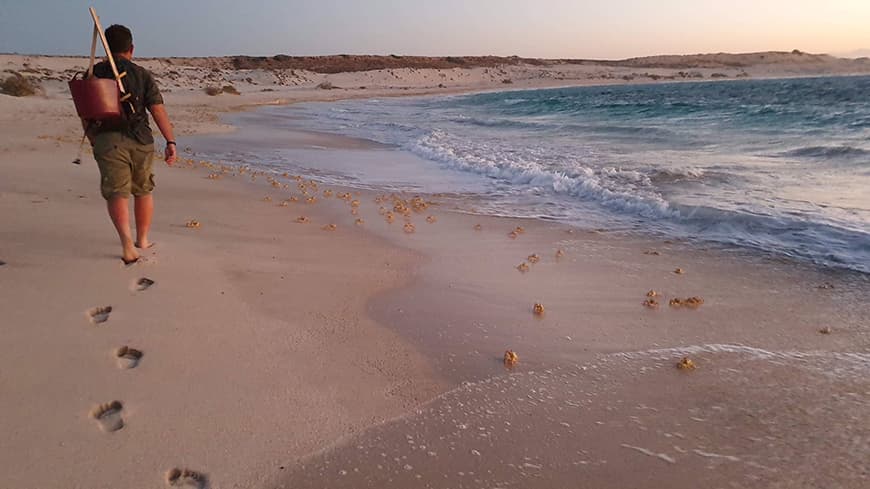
(124, 148)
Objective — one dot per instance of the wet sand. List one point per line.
(596, 398)
(739, 420)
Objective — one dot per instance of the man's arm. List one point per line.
(158, 111)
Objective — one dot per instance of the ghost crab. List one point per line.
(686, 364)
(691, 302)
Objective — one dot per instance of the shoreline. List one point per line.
(338, 141)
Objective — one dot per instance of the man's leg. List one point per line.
(119, 211)
(144, 207)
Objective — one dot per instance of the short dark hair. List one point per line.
(120, 38)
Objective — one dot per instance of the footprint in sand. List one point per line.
(143, 284)
(186, 478)
(99, 315)
(109, 416)
(128, 357)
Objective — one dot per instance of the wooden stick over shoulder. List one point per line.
(106, 47)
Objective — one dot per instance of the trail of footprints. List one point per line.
(185, 478)
(128, 357)
(109, 416)
(99, 314)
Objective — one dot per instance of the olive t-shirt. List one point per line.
(140, 83)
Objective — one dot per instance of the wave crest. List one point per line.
(827, 152)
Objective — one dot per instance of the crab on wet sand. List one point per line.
(679, 271)
(511, 358)
(409, 228)
(691, 302)
(193, 223)
(538, 309)
(686, 364)
(302, 220)
(651, 303)
(329, 227)
(478, 227)
(523, 267)
(431, 219)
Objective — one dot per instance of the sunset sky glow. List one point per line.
(542, 28)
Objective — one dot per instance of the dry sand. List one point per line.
(266, 342)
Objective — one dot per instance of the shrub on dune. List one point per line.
(18, 86)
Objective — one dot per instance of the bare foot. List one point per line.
(144, 243)
(130, 256)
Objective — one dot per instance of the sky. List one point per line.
(599, 29)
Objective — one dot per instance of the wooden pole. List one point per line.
(106, 48)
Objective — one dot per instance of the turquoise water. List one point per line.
(777, 165)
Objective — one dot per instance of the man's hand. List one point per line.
(158, 111)
(170, 154)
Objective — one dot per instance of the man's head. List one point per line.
(120, 40)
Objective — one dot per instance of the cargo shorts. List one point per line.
(125, 165)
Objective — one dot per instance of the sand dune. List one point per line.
(354, 76)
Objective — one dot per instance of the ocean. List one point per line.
(781, 166)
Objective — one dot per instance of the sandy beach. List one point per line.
(281, 352)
